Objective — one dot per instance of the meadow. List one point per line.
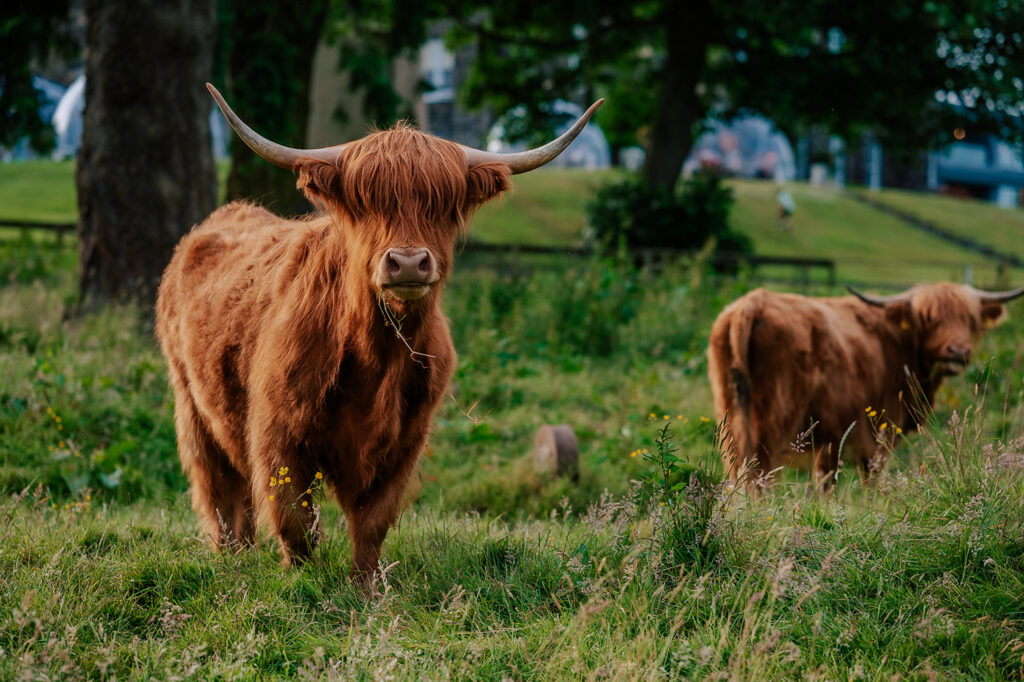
(647, 567)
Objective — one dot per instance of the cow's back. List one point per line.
(777, 362)
(213, 298)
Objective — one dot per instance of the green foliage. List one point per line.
(31, 34)
(689, 502)
(632, 214)
(264, 66)
(27, 259)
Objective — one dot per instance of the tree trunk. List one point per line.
(145, 172)
(270, 63)
(687, 27)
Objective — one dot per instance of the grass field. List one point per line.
(495, 572)
(981, 221)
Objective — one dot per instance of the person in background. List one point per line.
(786, 208)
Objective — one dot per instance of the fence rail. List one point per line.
(60, 229)
(659, 257)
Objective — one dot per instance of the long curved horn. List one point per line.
(880, 300)
(521, 162)
(998, 296)
(277, 154)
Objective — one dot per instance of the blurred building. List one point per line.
(747, 146)
(977, 165)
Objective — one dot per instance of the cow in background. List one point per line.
(778, 363)
(311, 349)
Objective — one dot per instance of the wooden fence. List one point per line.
(646, 257)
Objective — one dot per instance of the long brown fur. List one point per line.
(780, 362)
(281, 354)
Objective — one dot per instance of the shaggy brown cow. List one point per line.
(780, 362)
(301, 348)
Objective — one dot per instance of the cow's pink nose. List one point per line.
(408, 266)
(959, 352)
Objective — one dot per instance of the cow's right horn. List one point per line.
(998, 296)
(521, 162)
(880, 300)
(277, 154)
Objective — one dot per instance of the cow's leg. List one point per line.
(220, 494)
(826, 463)
(371, 515)
(871, 465)
(282, 473)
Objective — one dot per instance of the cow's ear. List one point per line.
(320, 182)
(992, 314)
(900, 314)
(486, 181)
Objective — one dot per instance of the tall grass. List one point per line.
(648, 567)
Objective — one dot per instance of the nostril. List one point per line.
(424, 264)
(393, 266)
(959, 351)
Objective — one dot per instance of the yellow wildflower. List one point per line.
(305, 503)
(271, 498)
(667, 417)
(872, 413)
(319, 475)
(867, 409)
(308, 491)
(899, 430)
(287, 479)
(883, 427)
(273, 482)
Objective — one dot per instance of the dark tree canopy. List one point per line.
(264, 66)
(664, 65)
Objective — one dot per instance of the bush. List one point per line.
(633, 215)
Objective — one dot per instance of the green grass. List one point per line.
(867, 245)
(545, 207)
(496, 572)
(982, 221)
(38, 191)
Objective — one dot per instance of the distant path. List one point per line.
(933, 229)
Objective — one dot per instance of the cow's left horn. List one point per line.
(277, 154)
(880, 300)
(521, 162)
(998, 296)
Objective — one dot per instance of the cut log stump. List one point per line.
(556, 452)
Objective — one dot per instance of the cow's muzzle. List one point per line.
(407, 273)
(955, 360)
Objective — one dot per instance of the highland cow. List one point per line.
(311, 349)
(780, 363)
